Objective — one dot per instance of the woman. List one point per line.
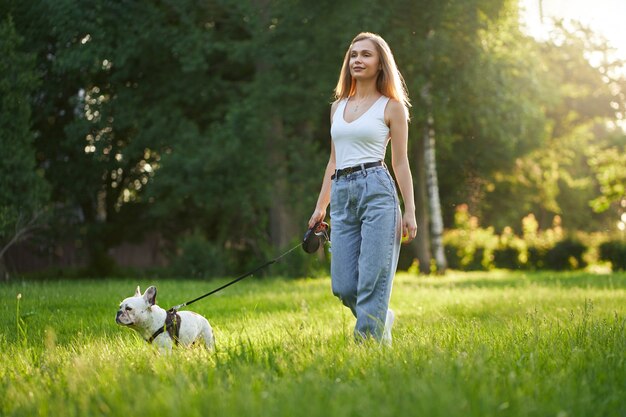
(371, 109)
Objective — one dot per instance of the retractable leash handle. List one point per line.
(315, 237)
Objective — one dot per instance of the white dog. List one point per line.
(164, 328)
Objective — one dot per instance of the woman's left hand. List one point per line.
(409, 227)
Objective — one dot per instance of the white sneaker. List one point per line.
(386, 339)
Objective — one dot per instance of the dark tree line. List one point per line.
(207, 121)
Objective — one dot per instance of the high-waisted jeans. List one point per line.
(365, 235)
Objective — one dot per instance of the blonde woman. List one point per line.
(371, 110)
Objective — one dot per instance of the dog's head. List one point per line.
(135, 310)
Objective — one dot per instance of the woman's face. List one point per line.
(364, 60)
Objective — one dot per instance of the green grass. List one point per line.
(483, 344)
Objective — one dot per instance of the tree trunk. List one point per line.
(281, 223)
(282, 228)
(422, 246)
(4, 271)
(430, 164)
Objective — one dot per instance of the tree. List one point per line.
(158, 113)
(209, 119)
(23, 192)
(582, 101)
(609, 167)
(456, 53)
(129, 87)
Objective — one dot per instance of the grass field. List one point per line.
(483, 344)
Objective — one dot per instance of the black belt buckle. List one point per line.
(350, 170)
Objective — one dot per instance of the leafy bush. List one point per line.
(480, 260)
(539, 242)
(298, 264)
(468, 246)
(407, 258)
(566, 255)
(614, 251)
(452, 251)
(506, 257)
(508, 253)
(196, 257)
(535, 258)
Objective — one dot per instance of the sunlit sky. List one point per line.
(605, 17)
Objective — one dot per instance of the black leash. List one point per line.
(247, 274)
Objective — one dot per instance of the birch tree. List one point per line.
(430, 164)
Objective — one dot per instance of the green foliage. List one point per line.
(468, 246)
(484, 91)
(577, 164)
(471, 247)
(211, 118)
(23, 192)
(187, 116)
(566, 255)
(196, 257)
(473, 344)
(609, 166)
(614, 251)
(510, 250)
(506, 257)
(298, 263)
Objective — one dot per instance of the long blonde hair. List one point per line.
(389, 83)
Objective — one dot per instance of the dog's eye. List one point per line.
(129, 308)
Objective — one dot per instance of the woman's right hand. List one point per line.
(318, 216)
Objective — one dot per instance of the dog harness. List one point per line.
(171, 325)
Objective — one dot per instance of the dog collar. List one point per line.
(171, 326)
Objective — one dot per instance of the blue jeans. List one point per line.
(366, 228)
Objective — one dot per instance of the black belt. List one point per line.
(338, 173)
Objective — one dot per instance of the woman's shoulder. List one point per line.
(391, 101)
(337, 102)
(395, 108)
(333, 107)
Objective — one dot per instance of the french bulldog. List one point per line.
(163, 328)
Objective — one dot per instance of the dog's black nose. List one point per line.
(117, 317)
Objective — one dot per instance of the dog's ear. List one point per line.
(138, 292)
(150, 295)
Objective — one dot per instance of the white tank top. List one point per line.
(362, 140)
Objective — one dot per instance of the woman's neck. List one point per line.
(365, 89)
